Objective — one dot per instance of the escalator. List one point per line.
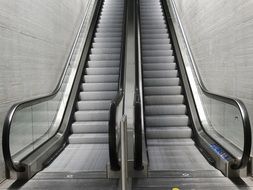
(87, 151)
(176, 159)
(84, 159)
(168, 127)
(83, 153)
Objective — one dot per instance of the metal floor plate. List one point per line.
(78, 161)
(178, 160)
(65, 184)
(188, 184)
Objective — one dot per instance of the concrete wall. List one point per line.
(220, 33)
(35, 40)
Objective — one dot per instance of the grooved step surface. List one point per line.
(163, 90)
(99, 87)
(50, 182)
(80, 158)
(93, 105)
(168, 132)
(90, 127)
(149, 82)
(165, 109)
(177, 158)
(100, 78)
(89, 138)
(159, 66)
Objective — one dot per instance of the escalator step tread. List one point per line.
(165, 109)
(170, 142)
(90, 127)
(93, 105)
(163, 99)
(152, 82)
(101, 78)
(92, 115)
(105, 95)
(91, 87)
(89, 138)
(102, 71)
(163, 90)
(108, 63)
(160, 74)
(167, 120)
(159, 66)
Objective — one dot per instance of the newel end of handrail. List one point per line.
(243, 162)
(113, 156)
(6, 141)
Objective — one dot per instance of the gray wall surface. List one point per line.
(220, 33)
(35, 40)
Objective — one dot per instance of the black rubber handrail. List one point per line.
(239, 163)
(27, 103)
(113, 150)
(138, 162)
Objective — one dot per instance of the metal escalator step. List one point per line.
(94, 105)
(155, 9)
(109, 12)
(159, 66)
(110, 20)
(109, 30)
(92, 115)
(102, 71)
(160, 59)
(155, 53)
(106, 45)
(161, 82)
(90, 138)
(152, 21)
(164, 99)
(108, 95)
(108, 35)
(105, 51)
(153, 26)
(155, 36)
(92, 87)
(165, 47)
(170, 142)
(104, 57)
(109, 25)
(165, 110)
(111, 17)
(160, 74)
(101, 78)
(168, 132)
(167, 120)
(108, 39)
(148, 14)
(107, 63)
(155, 41)
(163, 90)
(90, 127)
(154, 31)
